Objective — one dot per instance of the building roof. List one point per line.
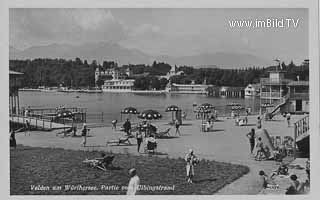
(14, 73)
(299, 83)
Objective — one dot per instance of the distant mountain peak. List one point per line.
(110, 51)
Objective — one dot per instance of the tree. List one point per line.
(100, 82)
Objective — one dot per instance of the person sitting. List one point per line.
(266, 181)
(293, 188)
(184, 115)
(209, 126)
(282, 170)
(151, 143)
(260, 150)
(104, 160)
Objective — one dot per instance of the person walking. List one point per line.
(114, 124)
(177, 124)
(139, 138)
(134, 182)
(288, 116)
(84, 133)
(251, 135)
(191, 160)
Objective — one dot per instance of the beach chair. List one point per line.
(162, 134)
(150, 147)
(121, 140)
(100, 163)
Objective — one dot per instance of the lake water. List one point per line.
(110, 104)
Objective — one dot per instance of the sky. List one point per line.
(174, 32)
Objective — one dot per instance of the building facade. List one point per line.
(188, 88)
(252, 90)
(298, 97)
(231, 91)
(118, 85)
(114, 72)
(273, 88)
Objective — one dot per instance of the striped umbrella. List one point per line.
(64, 114)
(207, 106)
(237, 107)
(150, 115)
(129, 111)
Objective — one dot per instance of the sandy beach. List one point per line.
(227, 143)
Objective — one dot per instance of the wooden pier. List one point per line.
(37, 123)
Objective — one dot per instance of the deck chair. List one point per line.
(150, 147)
(100, 163)
(163, 133)
(121, 140)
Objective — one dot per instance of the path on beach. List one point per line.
(227, 143)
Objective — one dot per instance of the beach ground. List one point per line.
(227, 143)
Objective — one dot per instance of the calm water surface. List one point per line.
(110, 104)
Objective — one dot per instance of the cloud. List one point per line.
(35, 26)
(144, 30)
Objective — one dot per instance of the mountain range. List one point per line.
(114, 52)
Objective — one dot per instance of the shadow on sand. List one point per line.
(214, 130)
(205, 180)
(168, 137)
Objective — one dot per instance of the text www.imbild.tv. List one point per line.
(265, 23)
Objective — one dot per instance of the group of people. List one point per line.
(295, 187)
(262, 150)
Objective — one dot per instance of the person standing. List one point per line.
(288, 116)
(13, 142)
(28, 127)
(139, 138)
(127, 127)
(259, 125)
(191, 160)
(134, 182)
(251, 135)
(177, 124)
(84, 133)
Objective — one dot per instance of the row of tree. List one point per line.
(78, 73)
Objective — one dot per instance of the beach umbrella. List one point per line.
(237, 107)
(64, 114)
(172, 109)
(129, 111)
(150, 115)
(207, 106)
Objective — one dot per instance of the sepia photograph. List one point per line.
(159, 101)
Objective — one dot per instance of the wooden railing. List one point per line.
(301, 128)
(39, 123)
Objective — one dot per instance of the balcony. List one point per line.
(301, 95)
(273, 95)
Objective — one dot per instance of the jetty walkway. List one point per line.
(42, 124)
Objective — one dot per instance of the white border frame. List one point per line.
(312, 5)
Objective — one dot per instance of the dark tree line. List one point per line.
(238, 77)
(79, 73)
